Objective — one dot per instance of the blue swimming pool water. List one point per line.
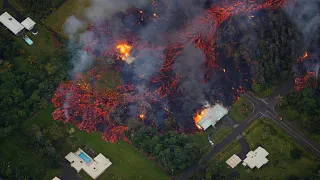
(28, 40)
(85, 158)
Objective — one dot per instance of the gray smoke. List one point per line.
(188, 65)
(306, 15)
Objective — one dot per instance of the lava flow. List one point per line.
(84, 103)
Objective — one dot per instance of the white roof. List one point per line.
(94, 169)
(11, 23)
(129, 59)
(28, 23)
(256, 158)
(233, 161)
(55, 178)
(212, 115)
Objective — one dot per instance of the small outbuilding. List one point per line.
(11, 23)
(55, 178)
(233, 161)
(256, 158)
(28, 23)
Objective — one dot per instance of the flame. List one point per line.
(124, 50)
(305, 55)
(141, 116)
(140, 12)
(302, 58)
(198, 117)
(224, 70)
(154, 14)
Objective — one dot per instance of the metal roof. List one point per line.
(11, 23)
(28, 23)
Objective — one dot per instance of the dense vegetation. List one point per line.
(39, 8)
(268, 42)
(174, 151)
(214, 170)
(24, 90)
(304, 107)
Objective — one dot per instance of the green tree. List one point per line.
(256, 87)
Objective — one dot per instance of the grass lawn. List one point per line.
(241, 109)
(283, 114)
(201, 138)
(128, 163)
(57, 19)
(278, 144)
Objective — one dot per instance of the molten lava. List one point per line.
(82, 102)
(124, 50)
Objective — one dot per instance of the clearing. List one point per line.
(127, 162)
(241, 109)
(278, 144)
(57, 19)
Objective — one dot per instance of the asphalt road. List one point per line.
(262, 108)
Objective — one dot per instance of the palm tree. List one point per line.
(279, 100)
(32, 59)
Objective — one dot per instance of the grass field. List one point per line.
(57, 19)
(278, 144)
(241, 109)
(201, 138)
(128, 163)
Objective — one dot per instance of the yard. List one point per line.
(278, 144)
(201, 138)
(128, 163)
(241, 109)
(57, 19)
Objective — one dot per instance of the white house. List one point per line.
(11, 23)
(256, 158)
(28, 23)
(211, 116)
(233, 161)
(93, 167)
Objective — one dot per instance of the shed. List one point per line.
(28, 23)
(233, 161)
(11, 23)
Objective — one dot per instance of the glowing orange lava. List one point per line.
(302, 58)
(198, 117)
(124, 50)
(141, 116)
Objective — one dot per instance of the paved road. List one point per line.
(262, 108)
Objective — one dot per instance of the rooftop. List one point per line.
(28, 23)
(11, 23)
(93, 167)
(233, 161)
(212, 115)
(256, 158)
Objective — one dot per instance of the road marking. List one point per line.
(264, 101)
(291, 131)
(263, 114)
(253, 117)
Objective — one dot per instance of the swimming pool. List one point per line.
(28, 40)
(85, 158)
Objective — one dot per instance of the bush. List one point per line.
(295, 153)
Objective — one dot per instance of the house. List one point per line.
(11, 23)
(233, 161)
(256, 158)
(93, 167)
(28, 23)
(55, 178)
(211, 115)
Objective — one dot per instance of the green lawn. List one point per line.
(201, 138)
(128, 163)
(241, 109)
(278, 144)
(218, 136)
(57, 19)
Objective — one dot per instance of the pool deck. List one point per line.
(94, 169)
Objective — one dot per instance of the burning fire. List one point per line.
(124, 50)
(141, 116)
(302, 58)
(198, 117)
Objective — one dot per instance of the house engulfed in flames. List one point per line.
(210, 116)
(125, 53)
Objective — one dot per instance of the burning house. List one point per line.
(210, 116)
